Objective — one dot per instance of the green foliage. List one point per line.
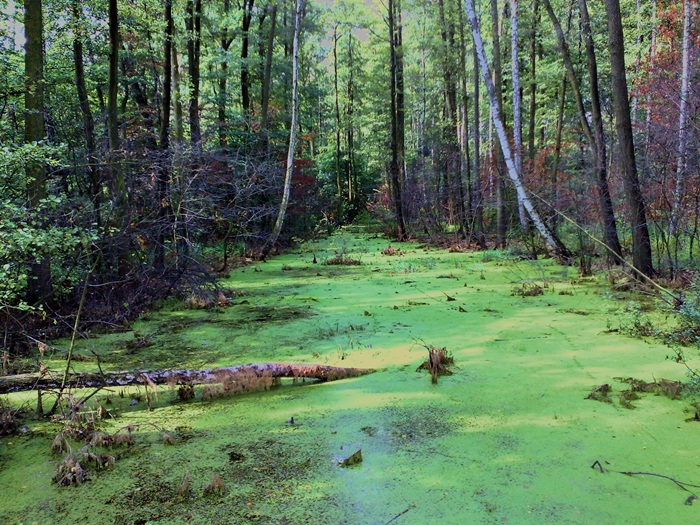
(634, 322)
(27, 232)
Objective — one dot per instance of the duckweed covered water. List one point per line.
(509, 437)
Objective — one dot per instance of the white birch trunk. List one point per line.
(501, 132)
(293, 127)
(681, 162)
(517, 105)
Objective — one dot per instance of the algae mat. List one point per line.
(509, 437)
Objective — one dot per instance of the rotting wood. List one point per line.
(23, 382)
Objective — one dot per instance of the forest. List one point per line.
(195, 186)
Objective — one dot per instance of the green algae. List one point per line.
(509, 437)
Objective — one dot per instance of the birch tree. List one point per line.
(517, 104)
(681, 161)
(292, 129)
(548, 236)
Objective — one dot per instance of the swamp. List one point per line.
(361, 262)
(516, 433)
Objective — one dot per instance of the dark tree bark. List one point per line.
(222, 97)
(245, 74)
(533, 81)
(641, 244)
(594, 134)
(39, 286)
(164, 171)
(194, 34)
(177, 102)
(606, 206)
(267, 76)
(450, 132)
(396, 165)
(339, 186)
(114, 41)
(86, 111)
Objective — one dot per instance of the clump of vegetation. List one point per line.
(439, 359)
(215, 488)
(8, 420)
(206, 298)
(528, 290)
(634, 322)
(660, 387)
(342, 260)
(185, 392)
(390, 250)
(70, 472)
(601, 393)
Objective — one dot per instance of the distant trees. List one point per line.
(149, 143)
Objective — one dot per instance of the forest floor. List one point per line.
(509, 437)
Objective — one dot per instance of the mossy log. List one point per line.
(48, 381)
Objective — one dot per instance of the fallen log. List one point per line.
(232, 374)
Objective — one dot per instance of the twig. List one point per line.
(401, 514)
(682, 484)
(72, 340)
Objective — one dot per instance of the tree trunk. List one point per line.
(497, 82)
(112, 121)
(222, 97)
(245, 75)
(164, 169)
(338, 182)
(88, 120)
(553, 242)
(397, 115)
(232, 374)
(595, 135)
(478, 197)
(177, 102)
(533, 82)
(292, 129)
(681, 160)
(39, 288)
(350, 174)
(517, 103)
(267, 77)
(612, 240)
(194, 33)
(557, 154)
(641, 244)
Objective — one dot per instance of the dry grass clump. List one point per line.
(206, 299)
(342, 260)
(463, 247)
(246, 381)
(8, 420)
(216, 487)
(390, 250)
(528, 290)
